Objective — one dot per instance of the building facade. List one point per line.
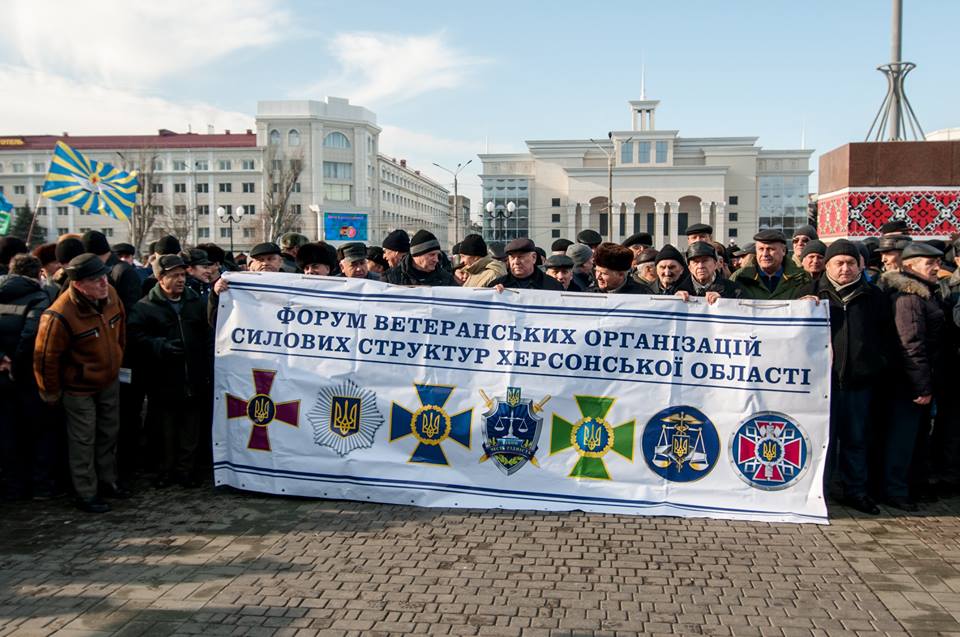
(320, 160)
(661, 183)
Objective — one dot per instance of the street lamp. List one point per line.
(611, 156)
(227, 217)
(456, 199)
(498, 216)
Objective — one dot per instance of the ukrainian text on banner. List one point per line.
(354, 389)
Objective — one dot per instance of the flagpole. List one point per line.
(33, 221)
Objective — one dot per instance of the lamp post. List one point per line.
(499, 215)
(611, 156)
(456, 198)
(227, 217)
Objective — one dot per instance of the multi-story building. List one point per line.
(660, 184)
(318, 161)
(459, 225)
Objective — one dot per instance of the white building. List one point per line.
(661, 184)
(331, 147)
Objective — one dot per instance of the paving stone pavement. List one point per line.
(223, 562)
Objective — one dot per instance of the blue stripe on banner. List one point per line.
(539, 309)
(514, 495)
(514, 372)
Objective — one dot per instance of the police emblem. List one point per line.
(680, 444)
(769, 451)
(592, 437)
(511, 430)
(261, 410)
(430, 424)
(345, 418)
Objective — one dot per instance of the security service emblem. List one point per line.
(511, 429)
(345, 418)
(592, 437)
(261, 410)
(769, 451)
(430, 424)
(680, 444)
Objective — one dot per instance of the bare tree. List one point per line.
(144, 214)
(282, 176)
(176, 221)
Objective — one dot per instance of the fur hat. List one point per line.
(613, 257)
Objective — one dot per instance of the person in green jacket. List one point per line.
(772, 276)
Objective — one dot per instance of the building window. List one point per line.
(248, 186)
(296, 165)
(62, 211)
(661, 152)
(203, 210)
(228, 208)
(225, 164)
(39, 167)
(248, 164)
(226, 187)
(19, 190)
(38, 189)
(157, 210)
(682, 222)
(156, 188)
(42, 212)
(296, 209)
(274, 137)
(248, 233)
(179, 187)
(276, 164)
(203, 233)
(733, 200)
(202, 164)
(202, 188)
(293, 138)
(626, 153)
(732, 232)
(248, 209)
(17, 167)
(336, 140)
(732, 216)
(296, 187)
(644, 152)
(224, 233)
(555, 202)
(108, 232)
(179, 164)
(336, 192)
(157, 164)
(555, 218)
(62, 231)
(179, 210)
(337, 170)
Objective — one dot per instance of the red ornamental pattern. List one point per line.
(860, 214)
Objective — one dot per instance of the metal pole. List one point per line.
(33, 221)
(456, 211)
(231, 235)
(895, 106)
(610, 195)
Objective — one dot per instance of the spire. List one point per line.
(643, 81)
(803, 135)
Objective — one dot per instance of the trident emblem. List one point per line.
(260, 410)
(345, 416)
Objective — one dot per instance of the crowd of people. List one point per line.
(106, 361)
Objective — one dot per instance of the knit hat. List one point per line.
(68, 249)
(95, 242)
(842, 247)
(560, 245)
(589, 237)
(669, 253)
(613, 257)
(580, 253)
(167, 245)
(398, 241)
(47, 253)
(814, 246)
(422, 242)
(473, 245)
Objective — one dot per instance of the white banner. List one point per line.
(353, 389)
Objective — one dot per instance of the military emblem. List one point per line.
(345, 418)
(511, 430)
(261, 410)
(430, 424)
(680, 444)
(769, 451)
(592, 437)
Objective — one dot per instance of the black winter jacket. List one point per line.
(405, 274)
(536, 281)
(125, 281)
(22, 301)
(919, 320)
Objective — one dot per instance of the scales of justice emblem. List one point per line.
(681, 444)
(511, 429)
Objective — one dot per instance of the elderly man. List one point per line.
(945, 440)
(290, 244)
(895, 227)
(801, 237)
(645, 266)
(353, 262)
(638, 242)
(582, 256)
(612, 265)
(167, 244)
(122, 276)
(590, 238)
(705, 279)
(699, 232)
(774, 276)
(671, 270)
(169, 339)
(422, 265)
(317, 259)
(560, 267)
(890, 249)
(812, 258)
(265, 257)
(477, 269)
(126, 253)
(395, 246)
(560, 246)
(919, 321)
(524, 273)
(864, 347)
(85, 329)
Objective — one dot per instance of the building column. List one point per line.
(658, 208)
(584, 219)
(674, 222)
(705, 212)
(572, 222)
(720, 230)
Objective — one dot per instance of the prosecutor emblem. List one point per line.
(345, 418)
(261, 410)
(511, 429)
(680, 444)
(592, 437)
(770, 451)
(430, 424)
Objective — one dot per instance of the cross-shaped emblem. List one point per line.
(261, 410)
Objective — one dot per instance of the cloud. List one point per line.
(45, 103)
(135, 43)
(379, 68)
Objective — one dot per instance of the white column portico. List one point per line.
(705, 212)
(720, 229)
(674, 222)
(658, 211)
(584, 219)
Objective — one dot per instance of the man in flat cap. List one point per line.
(590, 238)
(477, 269)
(895, 227)
(560, 246)
(126, 253)
(317, 258)
(266, 257)
(290, 243)
(890, 248)
(395, 246)
(645, 266)
(582, 256)
(200, 272)
(612, 264)
(705, 279)
(353, 262)
(774, 276)
(170, 344)
(671, 269)
(85, 329)
(638, 242)
(699, 232)
(422, 265)
(167, 244)
(560, 267)
(523, 271)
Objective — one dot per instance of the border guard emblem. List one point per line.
(593, 436)
(430, 424)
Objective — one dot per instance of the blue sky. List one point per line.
(446, 79)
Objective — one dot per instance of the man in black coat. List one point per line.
(422, 265)
(864, 343)
(705, 278)
(168, 335)
(612, 263)
(671, 273)
(945, 441)
(122, 276)
(522, 271)
(919, 321)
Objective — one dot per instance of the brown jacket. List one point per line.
(79, 347)
(481, 273)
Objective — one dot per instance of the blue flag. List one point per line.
(5, 206)
(90, 185)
